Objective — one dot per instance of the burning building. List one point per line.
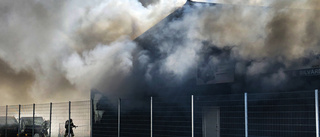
(186, 76)
(217, 52)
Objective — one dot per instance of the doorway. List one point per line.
(211, 122)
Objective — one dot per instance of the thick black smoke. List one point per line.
(148, 2)
(264, 42)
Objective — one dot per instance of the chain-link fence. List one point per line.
(282, 114)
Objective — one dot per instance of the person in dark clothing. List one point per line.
(44, 128)
(67, 128)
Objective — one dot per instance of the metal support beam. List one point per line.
(119, 116)
(19, 120)
(192, 116)
(91, 115)
(50, 119)
(246, 113)
(69, 128)
(6, 129)
(33, 113)
(317, 112)
(151, 117)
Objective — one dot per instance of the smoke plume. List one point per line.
(53, 50)
(58, 50)
(264, 41)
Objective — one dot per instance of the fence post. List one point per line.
(69, 128)
(19, 118)
(192, 116)
(151, 117)
(91, 115)
(246, 113)
(50, 119)
(119, 112)
(6, 129)
(33, 113)
(317, 112)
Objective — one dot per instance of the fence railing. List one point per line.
(284, 114)
(45, 120)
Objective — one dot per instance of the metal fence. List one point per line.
(282, 114)
(45, 119)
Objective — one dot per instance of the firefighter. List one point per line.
(44, 129)
(67, 128)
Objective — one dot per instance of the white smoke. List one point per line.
(86, 70)
(61, 48)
